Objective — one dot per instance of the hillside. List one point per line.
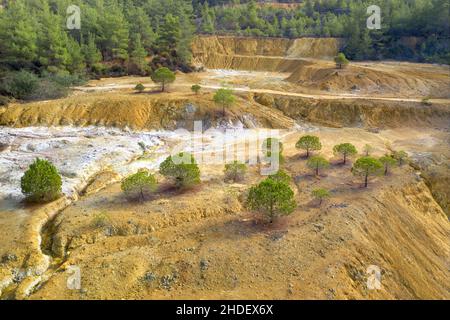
(202, 244)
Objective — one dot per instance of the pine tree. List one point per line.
(139, 54)
(18, 36)
(113, 35)
(140, 24)
(76, 63)
(52, 41)
(169, 34)
(90, 51)
(208, 19)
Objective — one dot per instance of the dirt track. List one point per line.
(275, 92)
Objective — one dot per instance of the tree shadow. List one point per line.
(151, 92)
(250, 225)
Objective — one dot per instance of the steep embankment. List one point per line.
(358, 113)
(142, 111)
(261, 54)
(125, 109)
(279, 47)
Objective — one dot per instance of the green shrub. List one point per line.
(101, 220)
(41, 182)
(48, 89)
(345, 150)
(25, 85)
(272, 199)
(65, 79)
(235, 171)
(139, 87)
(99, 69)
(225, 98)
(20, 85)
(4, 101)
(309, 143)
(426, 101)
(139, 185)
(196, 88)
(365, 167)
(185, 174)
(341, 61)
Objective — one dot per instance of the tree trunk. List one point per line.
(271, 211)
(345, 158)
(317, 170)
(386, 170)
(163, 86)
(307, 153)
(366, 180)
(142, 196)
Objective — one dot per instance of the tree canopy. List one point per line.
(316, 163)
(272, 198)
(309, 143)
(225, 98)
(139, 185)
(426, 19)
(365, 167)
(341, 60)
(41, 182)
(163, 76)
(345, 150)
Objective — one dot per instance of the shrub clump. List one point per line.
(235, 171)
(41, 182)
(184, 171)
(139, 185)
(139, 87)
(401, 156)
